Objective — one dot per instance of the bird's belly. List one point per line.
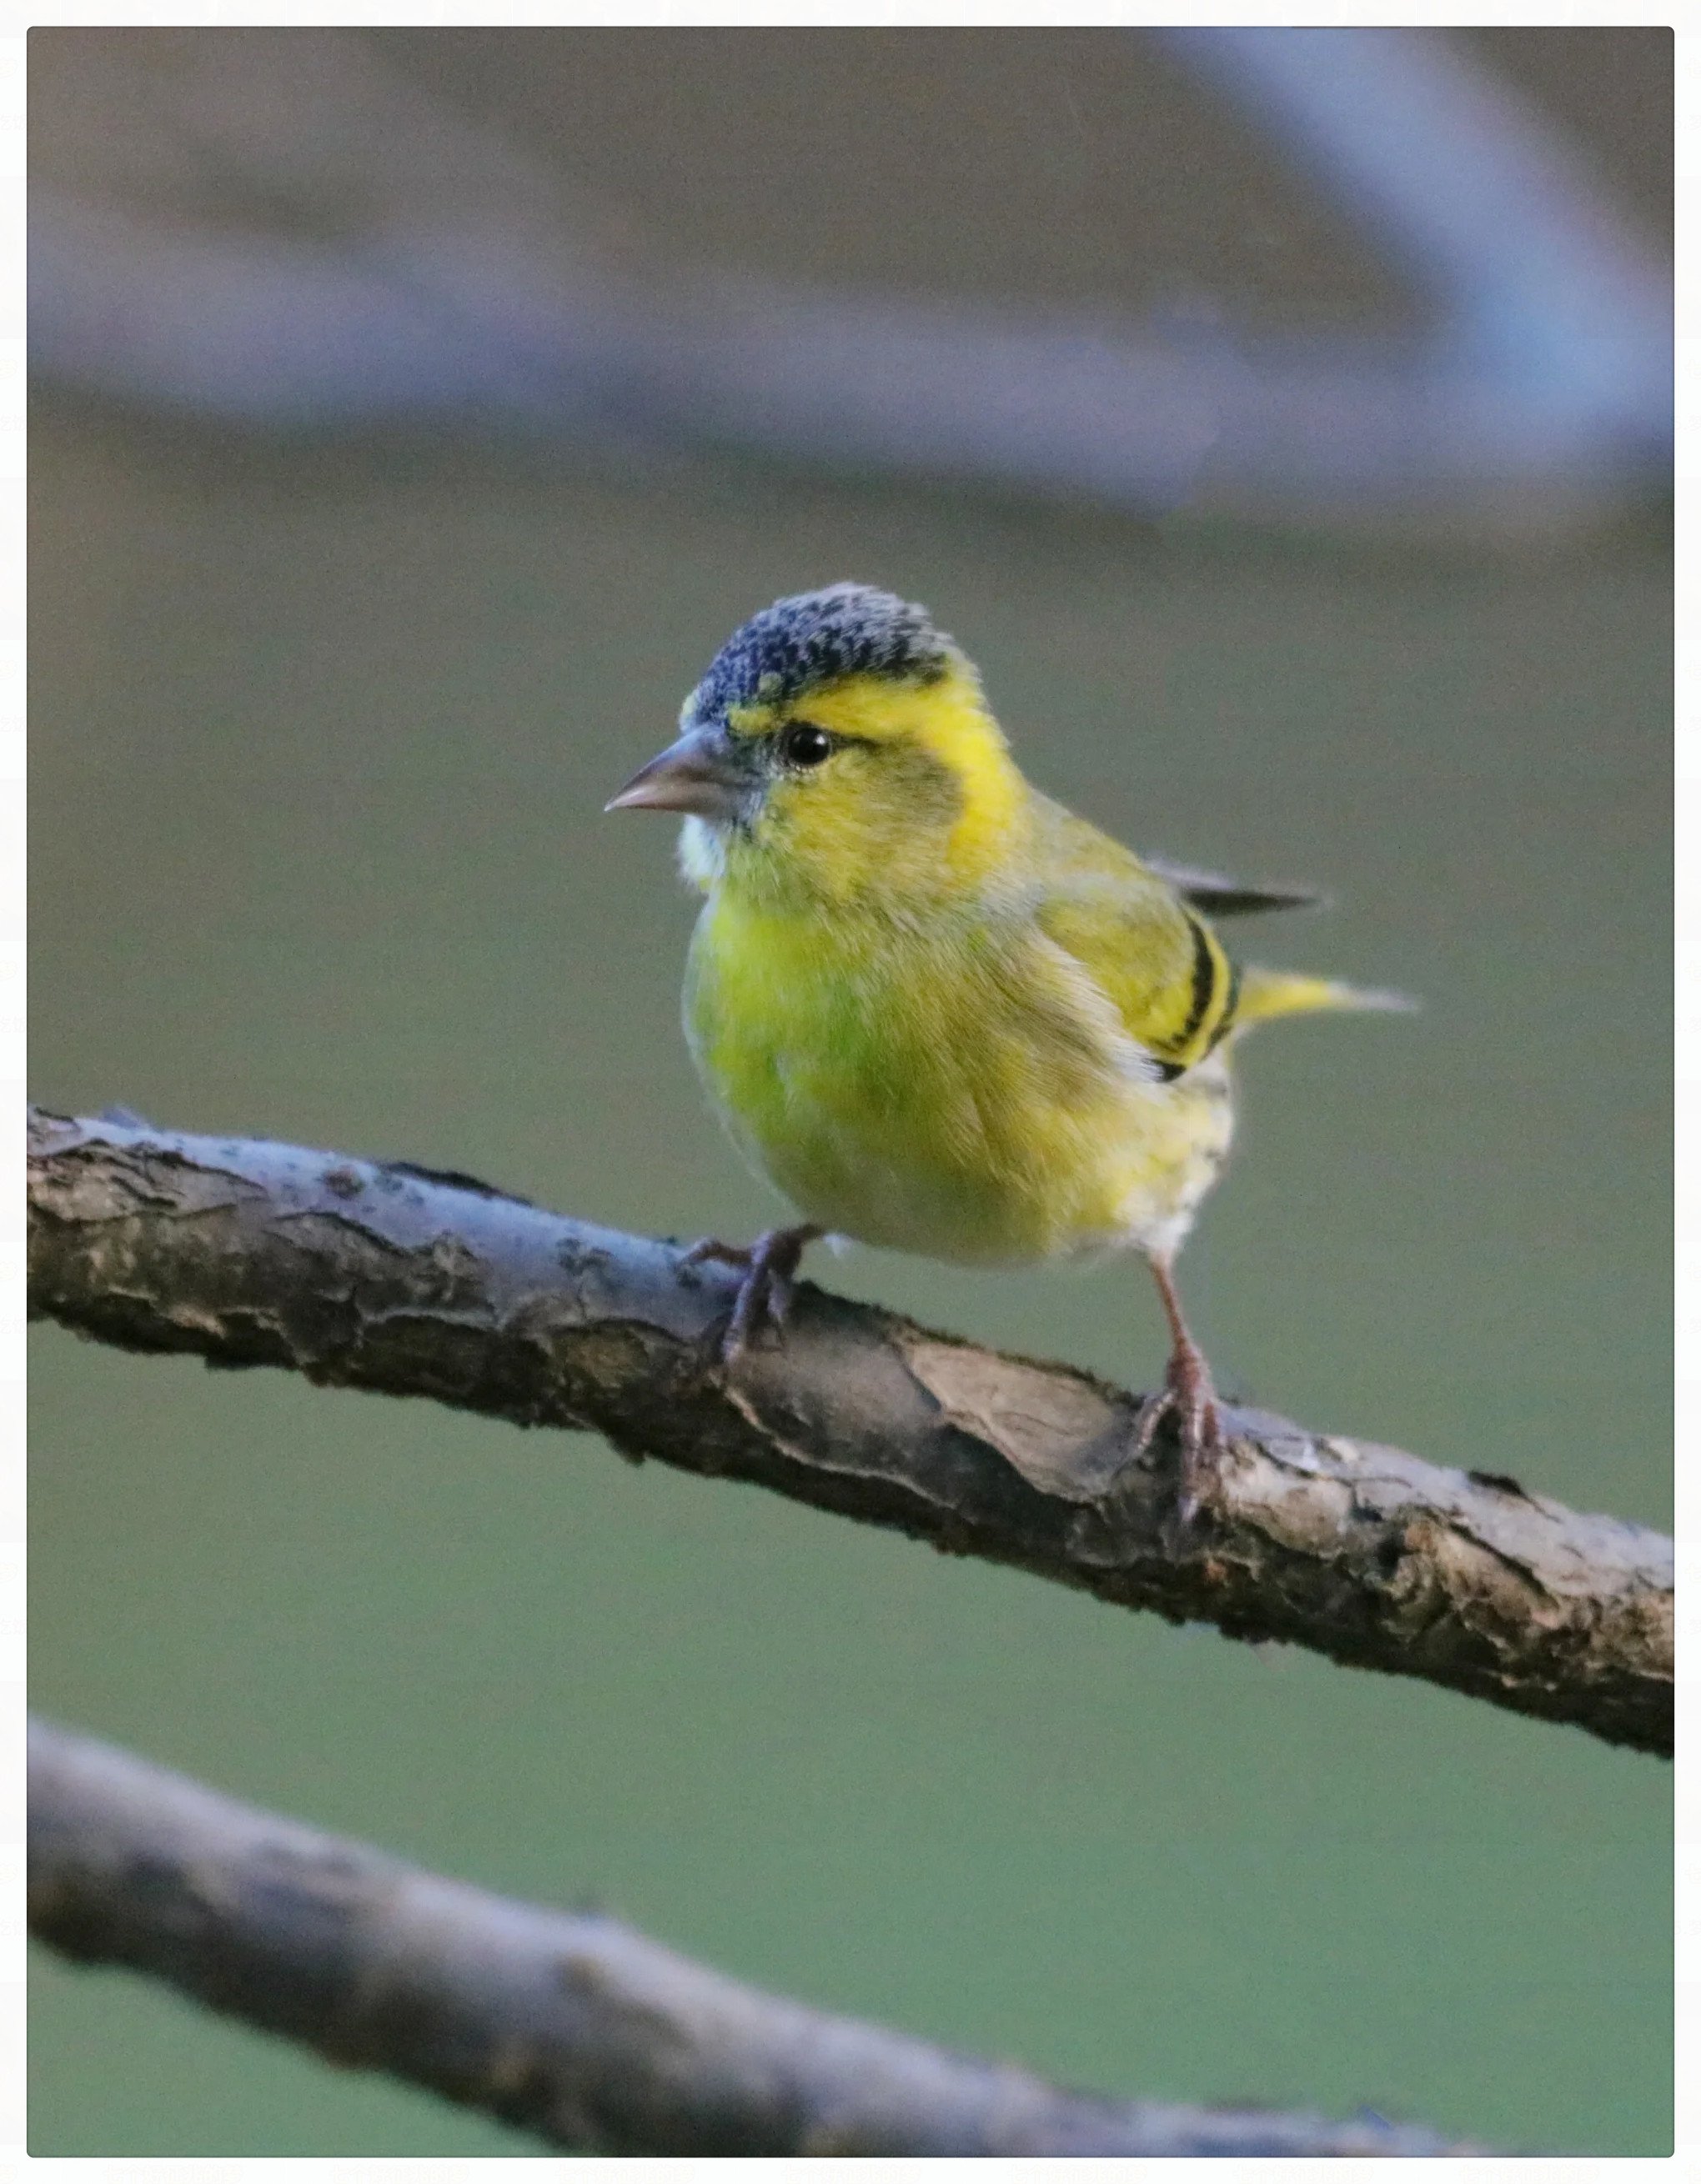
(922, 1106)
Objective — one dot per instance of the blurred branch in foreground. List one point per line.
(278, 229)
(390, 1278)
(566, 2024)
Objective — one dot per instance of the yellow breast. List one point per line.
(961, 1088)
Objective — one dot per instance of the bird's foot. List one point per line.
(765, 1293)
(1188, 1397)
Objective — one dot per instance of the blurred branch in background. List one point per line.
(392, 1280)
(566, 2024)
(278, 228)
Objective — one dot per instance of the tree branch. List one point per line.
(319, 241)
(390, 1278)
(567, 2025)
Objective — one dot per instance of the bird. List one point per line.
(940, 1012)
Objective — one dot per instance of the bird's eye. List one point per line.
(805, 745)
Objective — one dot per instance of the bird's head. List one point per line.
(838, 747)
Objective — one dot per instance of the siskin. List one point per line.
(940, 1012)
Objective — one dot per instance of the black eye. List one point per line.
(805, 745)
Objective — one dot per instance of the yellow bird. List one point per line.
(940, 1012)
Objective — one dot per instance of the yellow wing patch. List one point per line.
(1162, 966)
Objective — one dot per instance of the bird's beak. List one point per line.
(698, 774)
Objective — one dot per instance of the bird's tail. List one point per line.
(1265, 995)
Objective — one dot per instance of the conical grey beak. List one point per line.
(698, 774)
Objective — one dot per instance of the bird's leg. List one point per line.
(765, 1294)
(1188, 1393)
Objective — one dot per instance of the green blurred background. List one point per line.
(321, 737)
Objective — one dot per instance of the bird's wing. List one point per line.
(1221, 897)
(1154, 958)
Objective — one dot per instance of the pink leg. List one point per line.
(765, 1294)
(1186, 1392)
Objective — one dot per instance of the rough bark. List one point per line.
(390, 1278)
(566, 2024)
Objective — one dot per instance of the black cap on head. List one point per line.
(801, 643)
